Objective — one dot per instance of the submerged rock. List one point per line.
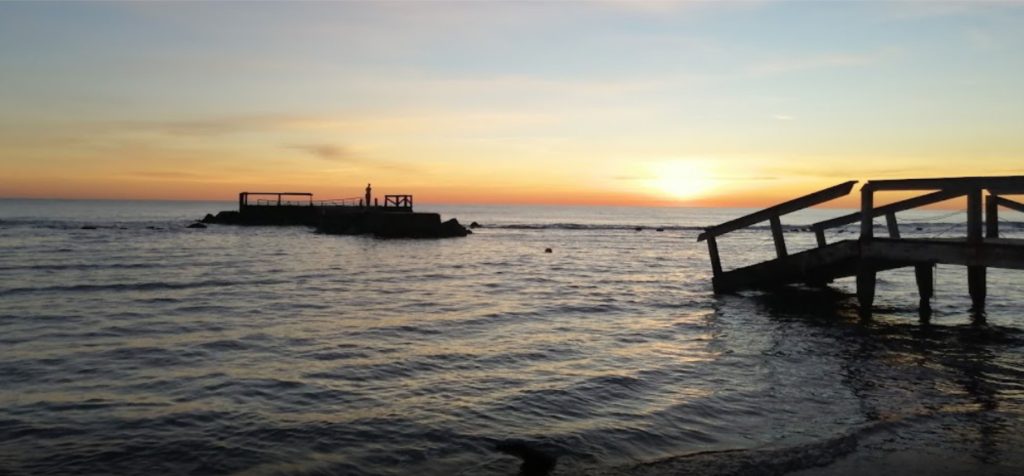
(88, 227)
(196, 225)
(536, 461)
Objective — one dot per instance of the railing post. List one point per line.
(992, 216)
(819, 234)
(716, 262)
(867, 225)
(890, 223)
(865, 270)
(780, 239)
(974, 215)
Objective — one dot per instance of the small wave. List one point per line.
(587, 226)
(150, 286)
(80, 266)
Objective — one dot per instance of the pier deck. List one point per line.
(866, 256)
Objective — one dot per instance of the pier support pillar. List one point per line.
(865, 271)
(975, 274)
(866, 289)
(925, 274)
(992, 216)
(977, 286)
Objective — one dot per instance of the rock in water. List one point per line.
(475, 225)
(547, 250)
(196, 225)
(229, 217)
(452, 228)
(536, 462)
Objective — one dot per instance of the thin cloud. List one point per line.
(330, 152)
(213, 126)
(166, 174)
(345, 155)
(835, 60)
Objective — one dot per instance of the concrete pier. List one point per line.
(348, 216)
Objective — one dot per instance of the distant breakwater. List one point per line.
(345, 221)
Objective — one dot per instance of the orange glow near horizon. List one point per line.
(675, 188)
(683, 181)
(160, 101)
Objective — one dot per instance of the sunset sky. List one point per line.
(724, 103)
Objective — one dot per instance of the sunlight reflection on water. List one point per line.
(132, 350)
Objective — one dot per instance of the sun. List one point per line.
(682, 180)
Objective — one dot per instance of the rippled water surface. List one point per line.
(144, 347)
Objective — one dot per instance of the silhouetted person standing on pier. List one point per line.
(368, 192)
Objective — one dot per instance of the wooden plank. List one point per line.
(813, 265)
(1008, 254)
(848, 257)
(1011, 204)
(1003, 183)
(805, 201)
(894, 207)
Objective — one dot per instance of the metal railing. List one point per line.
(398, 201)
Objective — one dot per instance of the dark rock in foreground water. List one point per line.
(536, 461)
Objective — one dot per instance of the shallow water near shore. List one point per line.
(143, 347)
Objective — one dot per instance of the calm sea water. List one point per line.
(144, 347)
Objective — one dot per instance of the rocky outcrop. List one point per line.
(224, 218)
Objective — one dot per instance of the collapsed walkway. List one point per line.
(864, 257)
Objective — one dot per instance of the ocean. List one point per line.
(138, 346)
